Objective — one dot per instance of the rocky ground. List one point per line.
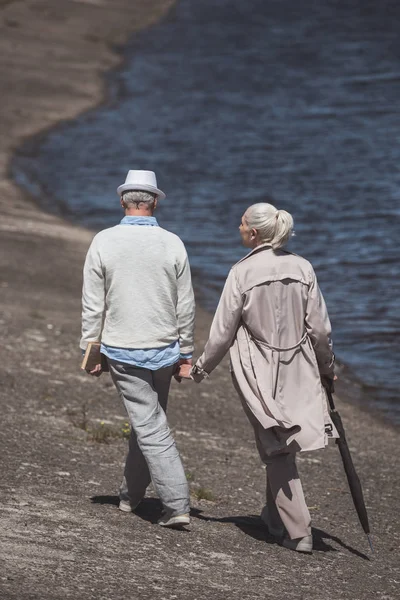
(62, 440)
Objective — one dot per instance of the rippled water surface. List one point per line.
(231, 102)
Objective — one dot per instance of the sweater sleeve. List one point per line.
(185, 306)
(93, 297)
(224, 326)
(319, 328)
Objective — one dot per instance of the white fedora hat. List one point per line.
(141, 180)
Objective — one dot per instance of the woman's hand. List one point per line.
(327, 382)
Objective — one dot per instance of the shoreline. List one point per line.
(63, 537)
(359, 394)
(97, 37)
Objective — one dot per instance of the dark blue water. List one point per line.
(232, 102)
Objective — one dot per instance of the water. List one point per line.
(231, 103)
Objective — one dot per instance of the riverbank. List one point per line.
(53, 58)
(62, 534)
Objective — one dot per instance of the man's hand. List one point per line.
(97, 371)
(183, 370)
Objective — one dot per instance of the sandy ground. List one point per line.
(62, 535)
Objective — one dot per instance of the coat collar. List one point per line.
(266, 246)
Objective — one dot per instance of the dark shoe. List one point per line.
(304, 544)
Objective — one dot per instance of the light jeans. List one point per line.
(152, 451)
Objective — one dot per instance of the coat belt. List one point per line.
(277, 348)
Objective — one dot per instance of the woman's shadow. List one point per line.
(150, 510)
(253, 526)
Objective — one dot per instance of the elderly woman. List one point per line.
(273, 318)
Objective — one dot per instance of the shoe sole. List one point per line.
(176, 523)
(125, 508)
(305, 550)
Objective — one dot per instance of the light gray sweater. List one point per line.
(137, 290)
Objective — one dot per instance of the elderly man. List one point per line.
(138, 301)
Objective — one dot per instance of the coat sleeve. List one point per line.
(319, 328)
(93, 297)
(223, 328)
(185, 306)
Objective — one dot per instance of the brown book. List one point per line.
(93, 357)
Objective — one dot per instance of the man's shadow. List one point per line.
(150, 510)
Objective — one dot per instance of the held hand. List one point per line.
(183, 369)
(96, 372)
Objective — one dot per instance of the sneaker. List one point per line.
(125, 506)
(276, 531)
(174, 522)
(304, 544)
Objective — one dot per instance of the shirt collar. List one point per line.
(130, 220)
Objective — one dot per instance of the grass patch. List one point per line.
(79, 418)
(34, 314)
(197, 491)
(126, 431)
(102, 433)
(202, 493)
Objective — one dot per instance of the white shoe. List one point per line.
(174, 522)
(304, 544)
(277, 532)
(125, 506)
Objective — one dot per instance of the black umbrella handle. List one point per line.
(327, 382)
(351, 474)
(330, 400)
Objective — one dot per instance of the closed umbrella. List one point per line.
(352, 477)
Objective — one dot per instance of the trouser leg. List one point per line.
(286, 493)
(137, 477)
(140, 390)
(136, 474)
(274, 519)
(285, 498)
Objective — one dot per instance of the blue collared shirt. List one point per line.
(146, 358)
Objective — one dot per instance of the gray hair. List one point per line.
(137, 197)
(273, 226)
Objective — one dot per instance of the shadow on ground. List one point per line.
(253, 526)
(150, 510)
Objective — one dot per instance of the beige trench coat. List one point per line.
(273, 318)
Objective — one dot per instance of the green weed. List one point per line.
(102, 433)
(202, 493)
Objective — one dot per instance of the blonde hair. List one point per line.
(272, 225)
